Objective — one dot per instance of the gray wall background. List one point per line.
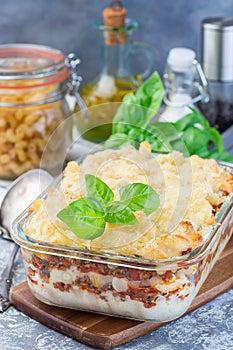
(68, 25)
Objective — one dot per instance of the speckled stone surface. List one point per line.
(208, 328)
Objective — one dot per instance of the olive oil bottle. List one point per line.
(105, 92)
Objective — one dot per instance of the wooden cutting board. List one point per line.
(105, 332)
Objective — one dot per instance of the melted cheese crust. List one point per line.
(191, 190)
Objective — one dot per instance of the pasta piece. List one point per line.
(21, 154)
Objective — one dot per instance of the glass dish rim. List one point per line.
(191, 258)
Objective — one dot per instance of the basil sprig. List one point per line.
(87, 216)
(192, 134)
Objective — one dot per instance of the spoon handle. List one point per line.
(6, 280)
(4, 233)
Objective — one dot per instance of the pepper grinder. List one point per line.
(217, 64)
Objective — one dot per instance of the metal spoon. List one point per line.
(17, 198)
(6, 280)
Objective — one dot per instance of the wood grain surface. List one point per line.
(106, 332)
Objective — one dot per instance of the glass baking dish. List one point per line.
(137, 288)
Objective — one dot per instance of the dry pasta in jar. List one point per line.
(33, 108)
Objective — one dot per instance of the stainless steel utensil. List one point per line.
(18, 196)
(6, 280)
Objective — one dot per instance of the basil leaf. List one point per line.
(118, 213)
(190, 120)
(217, 140)
(224, 156)
(195, 139)
(130, 98)
(98, 189)
(139, 196)
(150, 95)
(122, 117)
(85, 217)
(118, 140)
(139, 109)
(163, 135)
(128, 115)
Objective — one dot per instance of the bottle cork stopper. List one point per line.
(114, 16)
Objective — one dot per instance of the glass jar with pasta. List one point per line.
(34, 128)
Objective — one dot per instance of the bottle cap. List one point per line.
(181, 58)
(114, 17)
(217, 48)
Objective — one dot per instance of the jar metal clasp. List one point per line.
(74, 82)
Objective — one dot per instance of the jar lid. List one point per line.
(181, 58)
(26, 61)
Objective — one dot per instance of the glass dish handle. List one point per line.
(149, 52)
